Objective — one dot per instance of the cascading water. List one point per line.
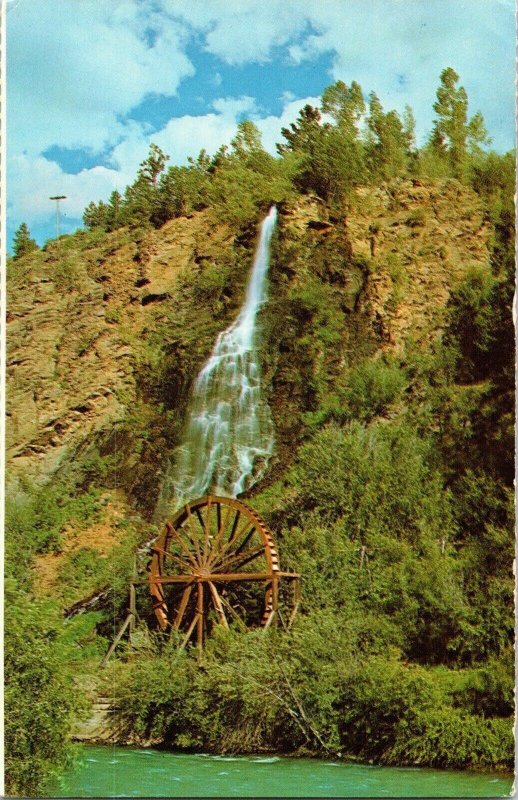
(228, 437)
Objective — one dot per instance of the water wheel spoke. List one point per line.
(246, 540)
(206, 528)
(200, 615)
(234, 525)
(233, 539)
(167, 554)
(218, 517)
(182, 607)
(200, 518)
(238, 561)
(194, 538)
(222, 526)
(174, 532)
(189, 632)
(216, 601)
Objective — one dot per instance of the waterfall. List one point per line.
(228, 438)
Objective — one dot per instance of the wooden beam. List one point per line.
(183, 605)
(117, 639)
(189, 632)
(216, 599)
(199, 631)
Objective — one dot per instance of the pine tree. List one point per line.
(452, 133)
(302, 134)
(95, 215)
(22, 242)
(388, 142)
(154, 164)
(345, 104)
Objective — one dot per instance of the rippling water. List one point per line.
(130, 772)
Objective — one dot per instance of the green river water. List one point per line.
(131, 772)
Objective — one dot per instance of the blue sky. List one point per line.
(90, 83)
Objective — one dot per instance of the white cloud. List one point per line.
(234, 106)
(245, 30)
(36, 179)
(396, 48)
(81, 66)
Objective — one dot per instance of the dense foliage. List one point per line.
(395, 501)
(40, 698)
(327, 151)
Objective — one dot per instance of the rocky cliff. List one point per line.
(77, 312)
(102, 325)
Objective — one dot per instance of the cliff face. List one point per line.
(75, 318)
(398, 253)
(78, 316)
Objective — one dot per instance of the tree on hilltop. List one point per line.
(453, 137)
(22, 242)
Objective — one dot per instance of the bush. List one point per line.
(402, 714)
(449, 738)
(372, 387)
(40, 698)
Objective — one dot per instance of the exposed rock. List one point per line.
(70, 372)
(74, 317)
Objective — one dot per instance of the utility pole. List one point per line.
(57, 198)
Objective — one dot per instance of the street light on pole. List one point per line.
(57, 198)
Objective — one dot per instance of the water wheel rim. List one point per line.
(201, 554)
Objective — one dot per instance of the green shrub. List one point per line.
(449, 738)
(40, 697)
(372, 387)
(417, 218)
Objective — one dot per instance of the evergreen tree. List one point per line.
(302, 134)
(452, 132)
(183, 189)
(96, 215)
(22, 242)
(345, 104)
(115, 211)
(154, 164)
(388, 142)
(142, 200)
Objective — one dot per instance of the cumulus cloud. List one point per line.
(77, 69)
(394, 47)
(234, 106)
(35, 178)
(246, 30)
(82, 66)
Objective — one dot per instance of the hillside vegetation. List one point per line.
(387, 354)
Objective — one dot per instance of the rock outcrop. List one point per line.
(77, 311)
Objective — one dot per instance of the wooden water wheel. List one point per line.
(214, 563)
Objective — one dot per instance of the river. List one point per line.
(130, 772)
